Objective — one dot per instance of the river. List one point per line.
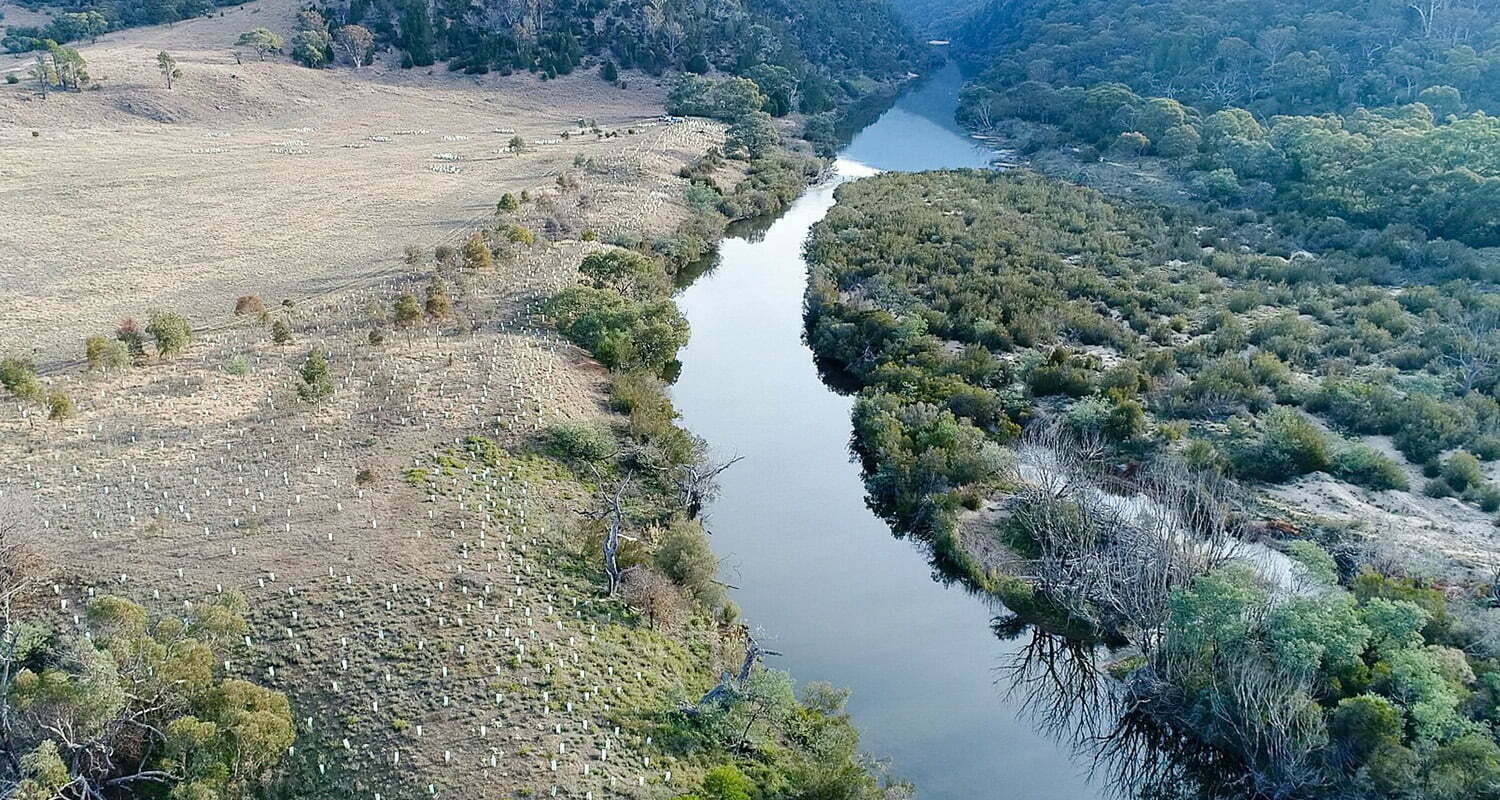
(819, 574)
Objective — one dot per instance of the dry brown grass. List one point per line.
(182, 478)
(264, 176)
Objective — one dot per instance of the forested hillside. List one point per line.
(822, 53)
(1373, 112)
(937, 18)
(1290, 57)
(77, 20)
(845, 38)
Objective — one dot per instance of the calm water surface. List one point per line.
(825, 580)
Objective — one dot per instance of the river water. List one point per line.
(821, 576)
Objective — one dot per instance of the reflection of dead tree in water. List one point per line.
(1059, 683)
(1111, 552)
(698, 484)
(1062, 684)
(695, 481)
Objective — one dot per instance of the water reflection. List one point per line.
(1065, 687)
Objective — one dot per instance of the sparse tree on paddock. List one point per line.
(516, 145)
(134, 339)
(102, 353)
(445, 255)
(408, 313)
(168, 67)
(507, 204)
(45, 72)
(354, 42)
(477, 252)
(316, 385)
(59, 407)
(281, 332)
(260, 40)
(18, 377)
(171, 332)
(438, 306)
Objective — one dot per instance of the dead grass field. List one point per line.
(273, 178)
(426, 605)
(435, 620)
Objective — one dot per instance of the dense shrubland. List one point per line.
(1177, 354)
(1371, 112)
(1294, 57)
(980, 295)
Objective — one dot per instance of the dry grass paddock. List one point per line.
(426, 606)
(269, 177)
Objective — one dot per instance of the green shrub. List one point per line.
(686, 557)
(622, 333)
(1486, 447)
(1365, 466)
(1053, 379)
(1289, 445)
(103, 353)
(408, 313)
(19, 378)
(626, 272)
(281, 332)
(171, 332)
(580, 443)
(1487, 497)
(520, 234)
(1462, 471)
(315, 385)
(134, 339)
(438, 305)
(59, 406)
(1438, 487)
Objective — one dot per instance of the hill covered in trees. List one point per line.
(1377, 113)
(830, 48)
(937, 18)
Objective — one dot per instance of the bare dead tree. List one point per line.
(1474, 349)
(1111, 552)
(698, 484)
(729, 687)
(1270, 717)
(614, 524)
